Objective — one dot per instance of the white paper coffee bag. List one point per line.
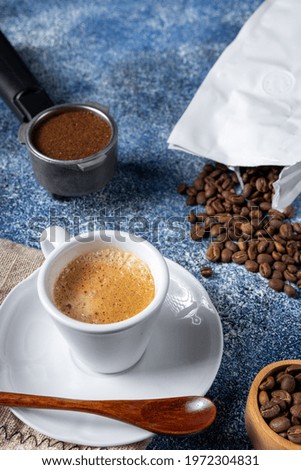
(247, 112)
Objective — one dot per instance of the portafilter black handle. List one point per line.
(18, 87)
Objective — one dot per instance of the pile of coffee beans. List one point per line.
(279, 401)
(243, 227)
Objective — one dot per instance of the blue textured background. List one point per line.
(145, 60)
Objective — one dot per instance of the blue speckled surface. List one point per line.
(145, 60)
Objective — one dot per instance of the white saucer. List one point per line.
(182, 358)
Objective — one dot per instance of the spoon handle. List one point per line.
(174, 416)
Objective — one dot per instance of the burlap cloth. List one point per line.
(16, 263)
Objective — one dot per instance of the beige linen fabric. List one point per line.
(16, 263)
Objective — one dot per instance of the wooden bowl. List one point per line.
(259, 432)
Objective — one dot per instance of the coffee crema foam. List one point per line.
(104, 286)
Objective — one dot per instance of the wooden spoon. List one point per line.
(174, 416)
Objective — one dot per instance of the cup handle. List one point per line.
(53, 237)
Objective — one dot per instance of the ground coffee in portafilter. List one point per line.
(279, 400)
(72, 135)
(243, 227)
(104, 286)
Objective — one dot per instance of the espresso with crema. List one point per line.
(104, 286)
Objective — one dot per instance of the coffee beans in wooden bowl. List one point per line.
(242, 227)
(279, 400)
(273, 409)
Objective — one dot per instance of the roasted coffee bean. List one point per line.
(268, 383)
(208, 168)
(298, 377)
(276, 214)
(263, 397)
(201, 216)
(267, 197)
(221, 166)
(199, 184)
(277, 238)
(276, 256)
(210, 210)
(289, 212)
(287, 259)
(231, 246)
(293, 369)
(295, 421)
(296, 411)
(252, 252)
(277, 275)
(240, 257)
(294, 434)
(276, 284)
(279, 247)
(279, 376)
(279, 266)
(242, 244)
(275, 223)
(291, 247)
(290, 290)
(280, 424)
(219, 244)
(270, 231)
(270, 410)
(201, 198)
(255, 213)
(191, 191)
(191, 201)
(265, 206)
(282, 404)
(206, 271)
(182, 188)
(287, 382)
(227, 184)
(256, 198)
(282, 395)
(264, 258)
(286, 231)
(209, 200)
(223, 218)
(226, 255)
(251, 266)
(191, 217)
(217, 206)
(197, 232)
(247, 228)
(265, 270)
(244, 212)
(289, 276)
(226, 194)
(236, 199)
(247, 190)
(296, 398)
(262, 185)
(216, 173)
(216, 230)
(262, 246)
(297, 227)
(213, 253)
(292, 269)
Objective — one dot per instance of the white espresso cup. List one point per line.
(105, 348)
